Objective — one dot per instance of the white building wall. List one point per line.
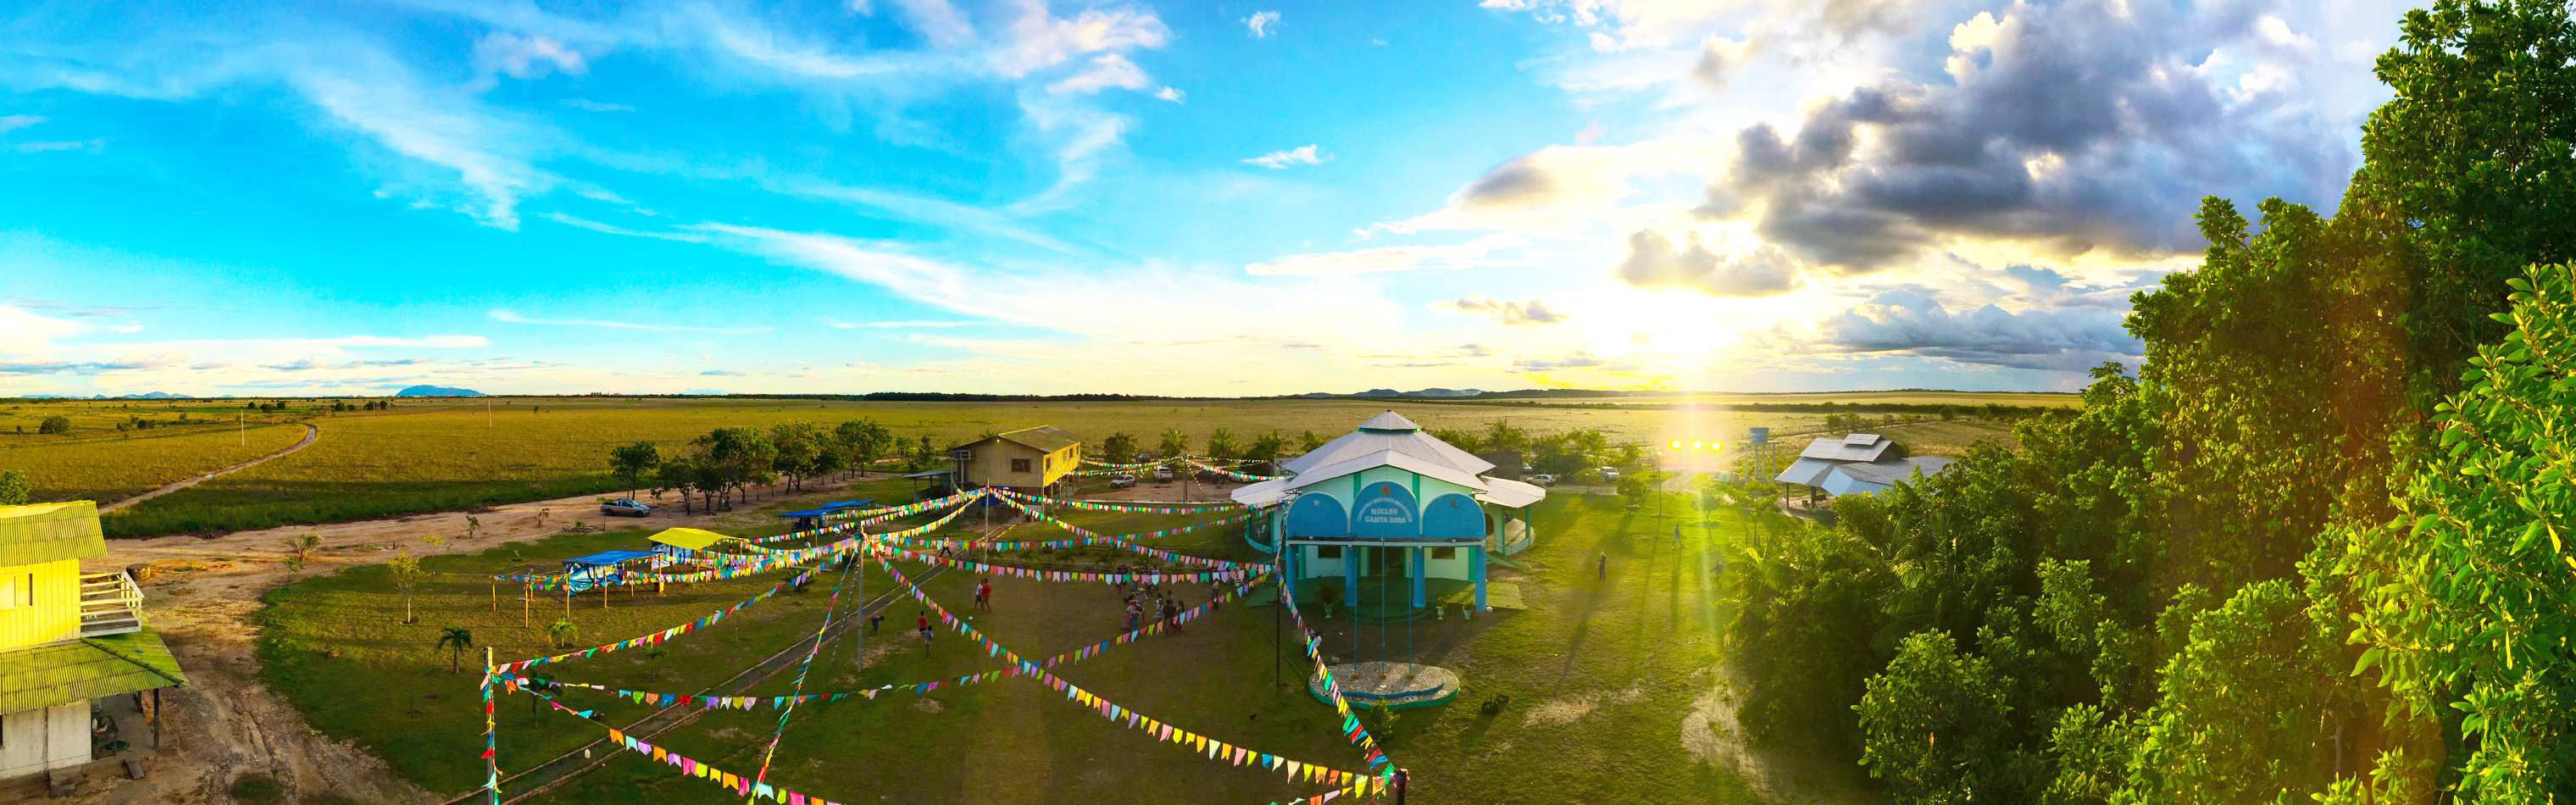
(1315, 565)
(1452, 568)
(32, 741)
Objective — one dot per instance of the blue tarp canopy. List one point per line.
(847, 504)
(607, 558)
(806, 513)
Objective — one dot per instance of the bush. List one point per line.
(55, 424)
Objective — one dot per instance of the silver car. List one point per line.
(625, 507)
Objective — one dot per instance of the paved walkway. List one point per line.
(310, 433)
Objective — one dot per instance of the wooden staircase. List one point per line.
(110, 603)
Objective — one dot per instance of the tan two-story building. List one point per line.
(1030, 460)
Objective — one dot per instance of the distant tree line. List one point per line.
(726, 463)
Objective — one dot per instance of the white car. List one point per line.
(1543, 479)
(1609, 475)
(1162, 475)
(624, 507)
(1121, 481)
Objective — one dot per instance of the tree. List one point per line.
(796, 445)
(1119, 448)
(678, 474)
(55, 424)
(1502, 436)
(2471, 617)
(1308, 442)
(456, 639)
(633, 463)
(1641, 484)
(15, 488)
(1221, 445)
(562, 633)
(299, 550)
(866, 441)
(1933, 725)
(1266, 450)
(1175, 443)
(405, 570)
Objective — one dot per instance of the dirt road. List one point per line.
(310, 433)
(224, 724)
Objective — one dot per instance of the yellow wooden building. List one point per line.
(78, 670)
(1030, 460)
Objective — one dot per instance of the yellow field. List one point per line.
(108, 468)
(1959, 398)
(440, 454)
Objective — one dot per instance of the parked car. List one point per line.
(1121, 481)
(1142, 458)
(1162, 475)
(1609, 475)
(1543, 479)
(624, 507)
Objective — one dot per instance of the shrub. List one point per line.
(55, 424)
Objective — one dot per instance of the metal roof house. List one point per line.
(1857, 464)
(71, 643)
(1389, 499)
(1026, 460)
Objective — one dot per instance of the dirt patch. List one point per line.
(224, 724)
(928, 705)
(1711, 733)
(1569, 709)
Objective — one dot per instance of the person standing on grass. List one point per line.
(1604, 564)
(1134, 613)
(984, 594)
(925, 634)
(875, 621)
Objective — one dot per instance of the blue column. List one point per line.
(1416, 559)
(1476, 573)
(1351, 576)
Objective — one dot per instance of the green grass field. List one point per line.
(1605, 683)
(445, 454)
(111, 466)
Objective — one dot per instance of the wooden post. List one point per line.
(496, 595)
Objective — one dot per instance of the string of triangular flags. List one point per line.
(655, 638)
(1097, 506)
(657, 699)
(1214, 749)
(858, 564)
(1352, 730)
(1239, 476)
(1148, 577)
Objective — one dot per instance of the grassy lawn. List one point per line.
(1602, 680)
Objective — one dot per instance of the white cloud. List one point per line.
(1106, 70)
(1470, 254)
(1168, 94)
(8, 122)
(1259, 23)
(1301, 155)
(514, 318)
(1040, 39)
(887, 325)
(1503, 311)
(938, 22)
(596, 106)
(523, 58)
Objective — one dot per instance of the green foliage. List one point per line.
(1221, 444)
(14, 487)
(1119, 448)
(562, 633)
(456, 639)
(2478, 623)
(1934, 723)
(1175, 443)
(55, 424)
(2245, 710)
(632, 463)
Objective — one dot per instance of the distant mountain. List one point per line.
(1444, 393)
(156, 395)
(1379, 393)
(437, 391)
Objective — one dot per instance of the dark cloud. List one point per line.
(1905, 321)
(1521, 181)
(1506, 311)
(1655, 260)
(2073, 127)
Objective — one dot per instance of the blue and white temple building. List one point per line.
(1389, 512)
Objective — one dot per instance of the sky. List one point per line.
(1206, 198)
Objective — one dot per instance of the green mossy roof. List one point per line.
(48, 532)
(81, 670)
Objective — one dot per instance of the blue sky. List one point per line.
(1203, 198)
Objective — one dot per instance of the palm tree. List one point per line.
(1221, 445)
(562, 633)
(1174, 443)
(456, 640)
